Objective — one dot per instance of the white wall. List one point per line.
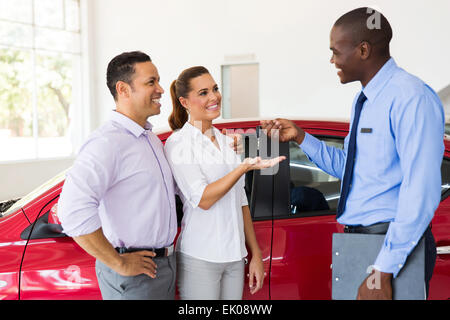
(290, 39)
(22, 177)
(444, 94)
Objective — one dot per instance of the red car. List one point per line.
(38, 261)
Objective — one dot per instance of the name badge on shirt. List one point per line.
(366, 130)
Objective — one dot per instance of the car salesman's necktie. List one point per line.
(351, 151)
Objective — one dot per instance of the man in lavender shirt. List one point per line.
(118, 201)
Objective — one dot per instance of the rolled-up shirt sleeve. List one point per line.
(187, 174)
(86, 183)
(329, 159)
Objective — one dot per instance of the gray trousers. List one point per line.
(114, 286)
(203, 280)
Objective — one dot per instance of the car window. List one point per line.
(311, 189)
(447, 128)
(445, 175)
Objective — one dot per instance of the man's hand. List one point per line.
(135, 263)
(377, 286)
(286, 130)
(256, 274)
(127, 264)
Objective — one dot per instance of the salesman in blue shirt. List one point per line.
(390, 165)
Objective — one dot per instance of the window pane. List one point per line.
(49, 13)
(72, 15)
(16, 115)
(16, 10)
(34, 112)
(16, 34)
(54, 147)
(445, 174)
(56, 77)
(49, 39)
(311, 188)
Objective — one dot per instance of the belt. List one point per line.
(160, 252)
(377, 228)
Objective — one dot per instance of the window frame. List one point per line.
(444, 194)
(81, 122)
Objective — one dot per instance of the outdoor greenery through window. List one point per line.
(40, 73)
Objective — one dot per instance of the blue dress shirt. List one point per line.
(397, 170)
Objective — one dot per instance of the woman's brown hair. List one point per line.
(181, 88)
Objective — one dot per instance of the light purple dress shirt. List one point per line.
(121, 182)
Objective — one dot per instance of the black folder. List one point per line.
(353, 257)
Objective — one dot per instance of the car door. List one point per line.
(440, 226)
(54, 266)
(303, 224)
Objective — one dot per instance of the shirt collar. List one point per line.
(129, 124)
(197, 132)
(192, 129)
(376, 84)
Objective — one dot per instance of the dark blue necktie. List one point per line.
(348, 173)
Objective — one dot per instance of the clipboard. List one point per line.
(352, 257)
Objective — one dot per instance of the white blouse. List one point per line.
(216, 234)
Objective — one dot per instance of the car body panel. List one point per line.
(67, 272)
(263, 232)
(301, 257)
(11, 253)
(440, 282)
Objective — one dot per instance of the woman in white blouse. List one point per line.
(216, 223)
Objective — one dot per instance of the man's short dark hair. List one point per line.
(367, 24)
(121, 68)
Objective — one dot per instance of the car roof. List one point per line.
(339, 124)
(165, 129)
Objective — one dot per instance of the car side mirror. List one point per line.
(46, 226)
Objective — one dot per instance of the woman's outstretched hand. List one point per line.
(258, 163)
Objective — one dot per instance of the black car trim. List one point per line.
(43, 229)
(25, 215)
